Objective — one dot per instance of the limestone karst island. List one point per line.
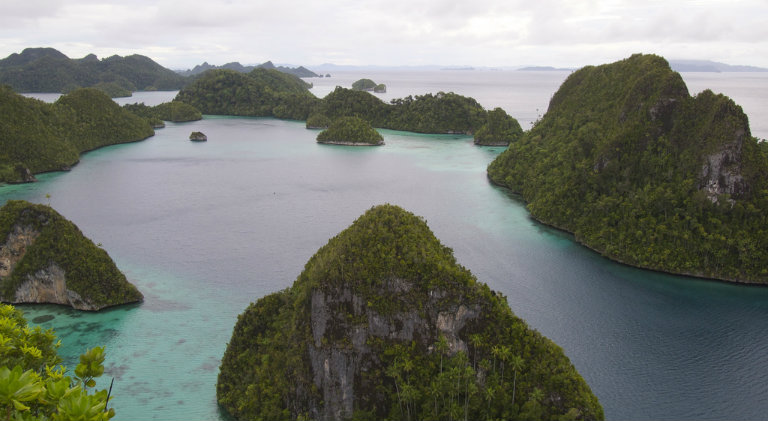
(44, 258)
(383, 323)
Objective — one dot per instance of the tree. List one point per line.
(32, 382)
(517, 364)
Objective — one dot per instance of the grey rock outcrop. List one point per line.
(46, 259)
(721, 171)
(339, 353)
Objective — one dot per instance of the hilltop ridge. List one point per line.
(645, 174)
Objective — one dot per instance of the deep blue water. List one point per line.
(203, 229)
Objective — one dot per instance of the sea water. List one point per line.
(205, 228)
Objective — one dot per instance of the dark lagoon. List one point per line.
(203, 229)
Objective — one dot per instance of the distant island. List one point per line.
(384, 323)
(369, 85)
(44, 258)
(645, 174)
(49, 70)
(710, 66)
(39, 137)
(198, 137)
(175, 111)
(500, 130)
(300, 71)
(350, 131)
(543, 69)
(269, 93)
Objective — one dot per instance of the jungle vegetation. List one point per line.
(363, 85)
(268, 93)
(389, 266)
(39, 137)
(645, 174)
(89, 271)
(499, 130)
(318, 121)
(48, 70)
(175, 111)
(350, 131)
(33, 383)
(260, 93)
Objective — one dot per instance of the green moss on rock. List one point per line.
(44, 258)
(383, 323)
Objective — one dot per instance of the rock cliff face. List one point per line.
(384, 324)
(45, 259)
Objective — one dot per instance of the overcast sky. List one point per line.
(497, 33)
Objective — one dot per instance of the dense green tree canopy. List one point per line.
(350, 131)
(54, 241)
(363, 85)
(646, 174)
(45, 137)
(33, 384)
(499, 130)
(383, 323)
(48, 70)
(260, 93)
(175, 111)
(318, 121)
(264, 93)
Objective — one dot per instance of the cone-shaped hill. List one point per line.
(383, 323)
(646, 174)
(44, 258)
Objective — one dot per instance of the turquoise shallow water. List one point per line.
(203, 229)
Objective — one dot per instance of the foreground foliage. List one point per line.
(39, 137)
(646, 174)
(373, 306)
(33, 384)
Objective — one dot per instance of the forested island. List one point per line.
(268, 93)
(174, 111)
(383, 323)
(300, 71)
(350, 131)
(49, 70)
(44, 258)
(500, 129)
(645, 174)
(38, 137)
(369, 85)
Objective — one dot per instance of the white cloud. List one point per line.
(180, 33)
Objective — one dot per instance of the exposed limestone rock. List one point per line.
(384, 293)
(198, 137)
(721, 171)
(49, 286)
(15, 246)
(46, 259)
